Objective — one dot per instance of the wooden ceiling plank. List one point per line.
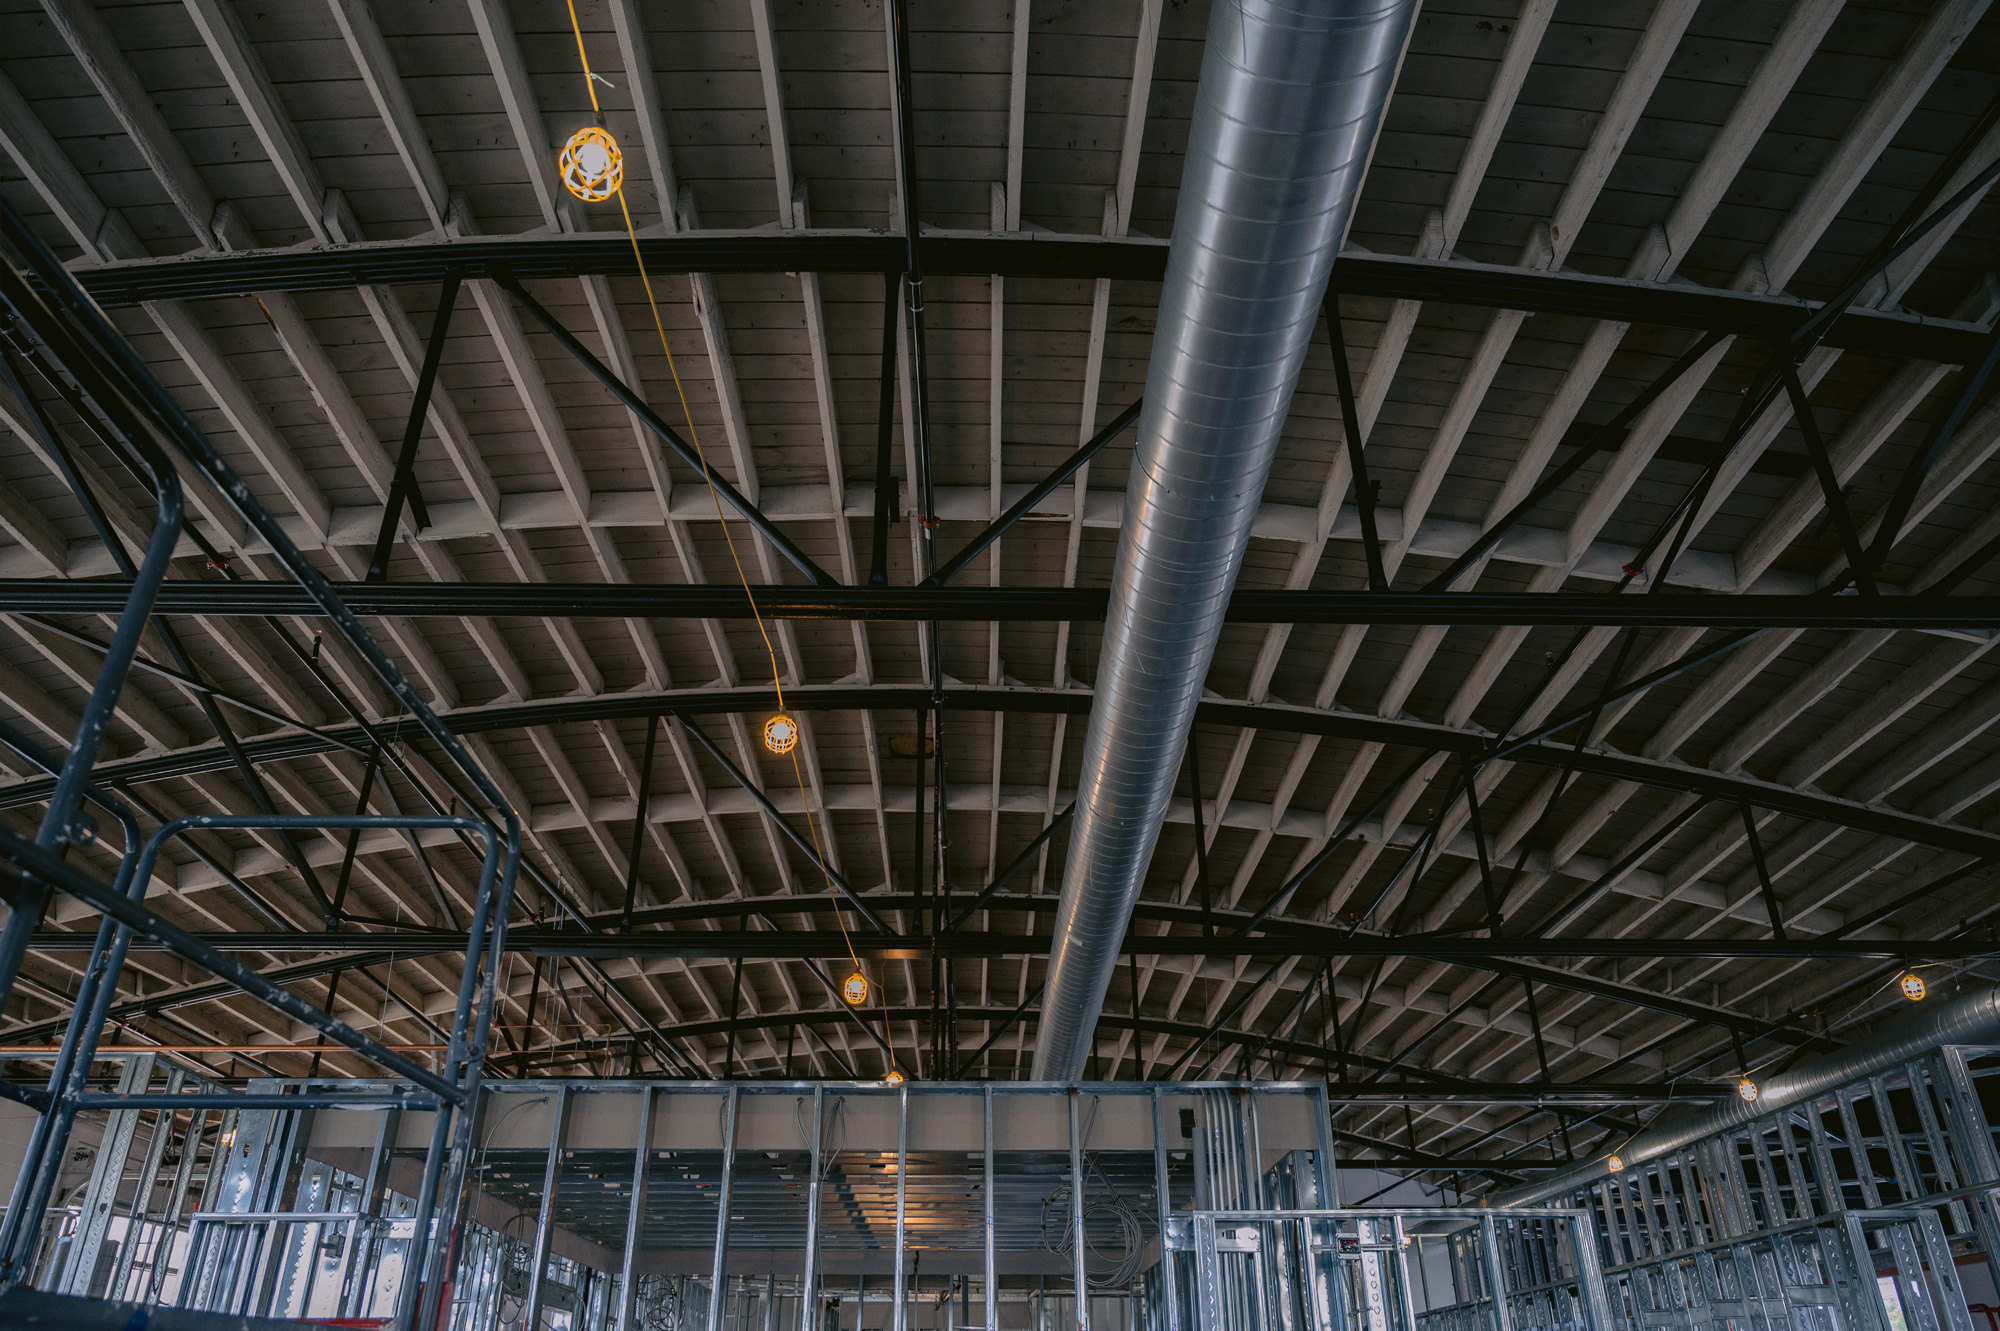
(244, 72)
(1922, 55)
(377, 67)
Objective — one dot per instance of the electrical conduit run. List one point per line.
(1286, 115)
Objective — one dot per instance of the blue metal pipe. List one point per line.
(42, 1159)
(465, 1059)
(59, 824)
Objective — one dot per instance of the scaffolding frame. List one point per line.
(42, 304)
(561, 1163)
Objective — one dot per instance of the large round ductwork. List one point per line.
(1285, 118)
(1972, 1019)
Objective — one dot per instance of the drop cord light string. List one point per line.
(615, 177)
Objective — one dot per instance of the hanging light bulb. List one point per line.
(591, 164)
(855, 989)
(1913, 986)
(781, 734)
(1615, 1165)
(1747, 1089)
(894, 1078)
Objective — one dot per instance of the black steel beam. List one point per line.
(1829, 481)
(1357, 453)
(1567, 914)
(393, 263)
(1025, 505)
(885, 439)
(1273, 717)
(805, 846)
(689, 453)
(1288, 938)
(1585, 450)
(1422, 1086)
(1889, 524)
(403, 484)
(760, 945)
(581, 600)
(1015, 866)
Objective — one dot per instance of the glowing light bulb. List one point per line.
(1615, 1165)
(1747, 1089)
(894, 1078)
(781, 734)
(1913, 986)
(591, 164)
(855, 989)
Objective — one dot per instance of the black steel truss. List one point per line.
(1278, 718)
(757, 945)
(1454, 281)
(682, 449)
(684, 939)
(403, 485)
(1041, 490)
(1419, 1087)
(583, 600)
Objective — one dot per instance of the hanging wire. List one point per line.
(590, 82)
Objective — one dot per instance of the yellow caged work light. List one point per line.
(855, 989)
(1913, 986)
(592, 165)
(781, 734)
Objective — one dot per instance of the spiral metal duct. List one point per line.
(1286, 114)
(1972, 1018)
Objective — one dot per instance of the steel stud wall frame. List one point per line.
(737, 1204)
(1368, 1269)
(753, 1206)
(43, 1164)
(1917, 1138)
(40, 300)
(1864, 1270)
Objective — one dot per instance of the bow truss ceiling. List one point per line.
(1756, 147)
